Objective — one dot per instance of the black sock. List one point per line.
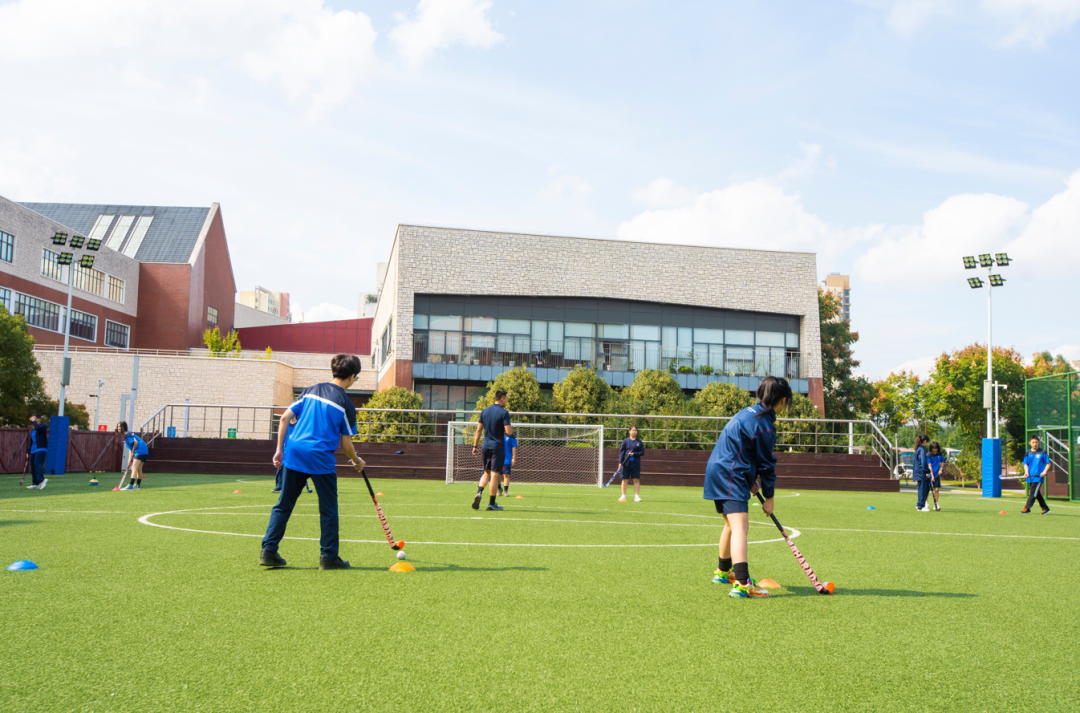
(506, 489)
(742, 572)
(725, 564)
(491, 500)
(480, 490)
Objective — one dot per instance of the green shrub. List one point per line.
(581, 391)
(722, 399)
(379, 427)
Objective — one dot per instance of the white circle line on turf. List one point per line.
(145, 520)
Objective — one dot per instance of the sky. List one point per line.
(890, 137)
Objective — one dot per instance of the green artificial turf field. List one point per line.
(566, 601)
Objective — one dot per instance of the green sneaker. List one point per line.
(750, 590)
(723, 577)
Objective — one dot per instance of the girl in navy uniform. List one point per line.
(630, 453)
(921, 472)
(743, 455)
(936, 461)
(139, 454)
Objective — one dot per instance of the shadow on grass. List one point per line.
(844, 592)
(8, 523)
(425, 568)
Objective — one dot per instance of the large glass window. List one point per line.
(101, 226)
(116, 335)
(387, 339)
(89, 280)
(116, 289)
(739, 361)
(137, 235)
(580, 329)
(439, 393)
(646, 332)
(514, 326)
(5, 299)
(709, 336)
(7, 247)
(83, 325)
(444, 322)
(539, 330)
(211, 314)
(770, 339)
(51, 267)
(614, 331)
(791, 341)
(555, 337)
(38, 313)
(480, 324)
(419, 321)
(116, 240)
(740, 337)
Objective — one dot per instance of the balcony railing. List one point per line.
(604, 355)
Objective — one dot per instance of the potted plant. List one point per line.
(705, 369)
(686, 370)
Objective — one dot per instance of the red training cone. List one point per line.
(237, 491)
(1003, 513)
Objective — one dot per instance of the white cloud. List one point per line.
(567, 185)
(663, 193)
(921, 367)
(312, 51)
(905, 16)
(1050, 239)
(438, 24)
(1069, 351)
(323, 312)
(1013, 22)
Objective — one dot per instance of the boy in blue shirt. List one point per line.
(510, 449)
(37, 448)
(495, 423)
(139, 454)
(1035, 464)
(325, 418)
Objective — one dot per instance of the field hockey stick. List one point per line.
(382, 518)
(826, 588)
(124, 475)
(26, 466)
(617, 472)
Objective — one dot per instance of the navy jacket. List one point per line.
(743, 453)
(919, 466)
(39, 439)
(631, 447)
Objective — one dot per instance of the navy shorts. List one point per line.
(493, 459)
(506, 469)
(142, 458)
(631, 471)
(730, 507)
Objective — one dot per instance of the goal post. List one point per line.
(562, 454)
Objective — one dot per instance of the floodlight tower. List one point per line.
(987, 261)
(86, 262)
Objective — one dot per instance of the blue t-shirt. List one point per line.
(324, 414)
(935, 464)
(39, 439)
(1036, 463)
(509, 443)
(494, 419)
(136, 444)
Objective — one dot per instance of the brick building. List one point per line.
(458, 307)
(184, 280)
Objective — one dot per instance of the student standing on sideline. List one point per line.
(742, 456)
(495, 422)
(936, 461)
(280, 471)
(630, 453)
(1035, 464)
(325, 418)
(510, 447)
(38, 448)
(139, 453)
(921, 472)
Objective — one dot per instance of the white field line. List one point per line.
(950, 534)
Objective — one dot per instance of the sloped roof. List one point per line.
(171, 237)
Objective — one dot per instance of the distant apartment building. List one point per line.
(840, 285)
(263, 300)
(163, 275)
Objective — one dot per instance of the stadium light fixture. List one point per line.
(975, 282)
(970, 263)
(59, 239)
(997, 281)
(86, 261)
(64, 259)
(77, 241)
(986, 260)
(93, 244)
(1002, 260)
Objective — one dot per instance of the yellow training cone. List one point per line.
(768, 584)
(520, 497)
(403, 567)
(378, 494)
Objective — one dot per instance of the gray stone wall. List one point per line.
(473, 262)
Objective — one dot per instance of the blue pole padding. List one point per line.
(56, 457)
(991, 467)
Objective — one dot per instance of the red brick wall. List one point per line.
(59, 296)
(212, 284)
(164, 290)
(399, 374)
(817, 394)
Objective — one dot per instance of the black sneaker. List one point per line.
(476, 502)
(276, 490)
(493, 506)
(336, 563)
(270, 558)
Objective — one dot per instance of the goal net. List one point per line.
(560, 454)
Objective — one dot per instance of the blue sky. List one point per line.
(890, 137)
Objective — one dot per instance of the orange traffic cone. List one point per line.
(769, 584)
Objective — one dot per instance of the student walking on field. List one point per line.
(510, 447)
(630, 453)
(921, 472)
(494, 425)
(36, 450)
(1036, 463)
(742, 458)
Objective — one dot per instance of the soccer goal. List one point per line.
(562, 454)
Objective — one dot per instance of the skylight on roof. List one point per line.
(137, 235)
(116, 240)
(101, 226)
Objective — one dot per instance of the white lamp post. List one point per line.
(987, 261)
(67, 259)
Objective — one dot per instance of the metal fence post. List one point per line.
(851, 438)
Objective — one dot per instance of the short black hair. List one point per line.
(500, 394)
(35, 414)
(935, 444)
(344, 366)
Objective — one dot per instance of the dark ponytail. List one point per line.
(921, 439)
(122, 427)
(772, 391)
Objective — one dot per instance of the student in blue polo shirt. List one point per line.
(38, 448)
(495, 422)
(138, 455)
(1035, 463)
(510, 447)
(325, 419)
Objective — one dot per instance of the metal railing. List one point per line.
(1058, 453)
(604, 355)
(210, 421)
(658, 431)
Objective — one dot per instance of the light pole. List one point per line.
(97, 408)
(66, 259)
(987, 261)
(997, 408)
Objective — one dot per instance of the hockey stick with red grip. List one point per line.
(826, 588)
(382, 518)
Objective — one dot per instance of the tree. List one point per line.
(904, 400)
(846, 395)
(656, 390)
(1043, 364)
(79, 418)
(796, 432)
(582, 391)
(221, 346)
(722, 399)
(390, 427)
(22, 391)
(522, 391)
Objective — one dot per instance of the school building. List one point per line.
(458, 307)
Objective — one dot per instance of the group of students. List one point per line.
(37, 448)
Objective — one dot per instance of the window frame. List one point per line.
(210, 309)
(10, 244)
(127, 335)
(94, 317)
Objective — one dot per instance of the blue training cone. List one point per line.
(22, 564)
(870, 507)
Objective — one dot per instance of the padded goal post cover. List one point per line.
(566, 454)
(56, 457)
(991, 468)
